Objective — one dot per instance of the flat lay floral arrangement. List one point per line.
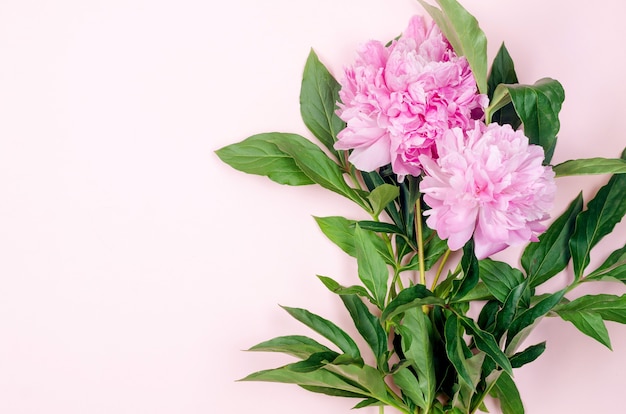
(446, 154)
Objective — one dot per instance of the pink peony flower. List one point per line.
(398, 100)
(488, 184)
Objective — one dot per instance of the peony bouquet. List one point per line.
(445, 155)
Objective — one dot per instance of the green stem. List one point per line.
(420, 241)
(440, 269)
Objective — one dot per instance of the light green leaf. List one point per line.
(335, 287)
(499, 277)
(603, 212)
(372, 269)
(381, 196)
(341, 232)
(327, 329)
(299, 346)
(416, 332)
(464, 34)
(613, 268)
(318, 167)
(366, 376)
(318, 99)
(260, 155)
(547, 257)
(407, 382)
(590, 166)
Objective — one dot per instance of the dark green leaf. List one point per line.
(609, 307)
(527, 355)
(547, 257)
(503, 71)
(314, 362)
(260, 155)
(379, 227)
(368, 326)
(462, 31)
(486, 343)
(506, 391)
(318, 167)
(327, 329)
(411, 297)
(529, 316)
(613, 268)
(499, 277)
(319, 378)
(318, 97)
(538, 107)
(590, 166)
(372, 269)
(589, 323)
(453, 332)
(469, 264)
(603, 212)
(299, 346)
(332, 391)
(509, 310)
(367, 403)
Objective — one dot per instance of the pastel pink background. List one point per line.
(135, 267)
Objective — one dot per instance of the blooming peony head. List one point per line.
(489, 184)
(397, 100)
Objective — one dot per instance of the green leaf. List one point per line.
(318, 378)
(538, 107)
(379, 227)
(372, 269)
(590, 324)
(318, 98)
(503, 71)
(486, 343)
(381, 196)
(527, 355)
(407, 382)
(509, 310)
(411, 297)
(319, 168)
(260, 155)
(365, 376)
(335, 287)
(613, 268)
(416, 332)
(299, 346)
(314, 362)
(367, 403)
(368, 326)
(529, 316)
(340, 231)
(547, 257)
(327, 329)
(463, 396)
(590, 166)
(464, 34)
(470, 267)
(499, 277)
(609, 307)
(334, 392)
(453, 332)
(506, 391)
(603, 212)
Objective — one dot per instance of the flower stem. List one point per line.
(440, 269)
(420, 241)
